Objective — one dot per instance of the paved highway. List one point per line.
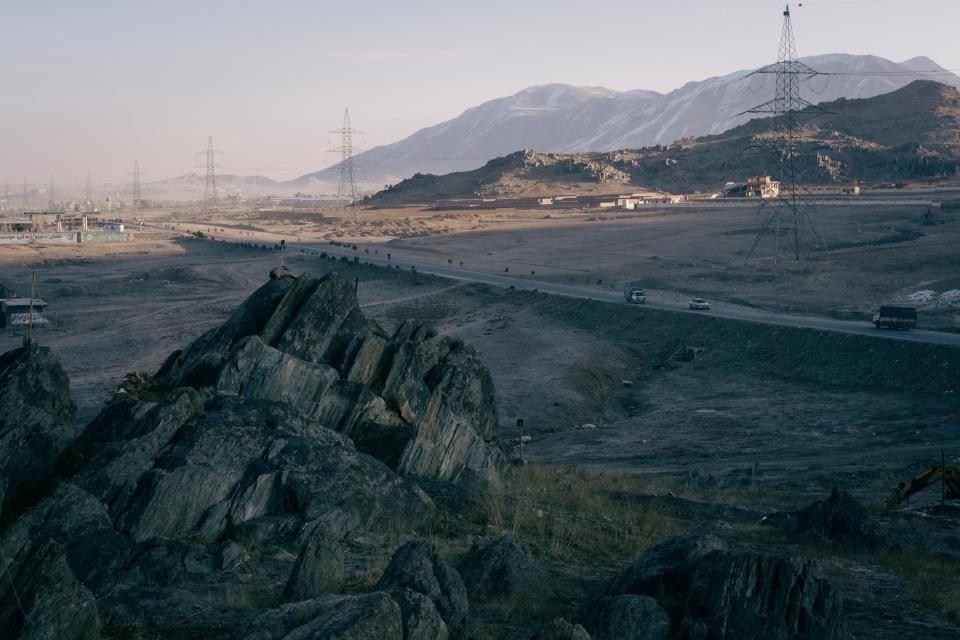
(720, 310)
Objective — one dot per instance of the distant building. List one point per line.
(16, 312)
(113, 226)
(754, 187)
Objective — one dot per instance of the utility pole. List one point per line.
(88, 194)
(137, 200)
(794, 205)
(347, 188)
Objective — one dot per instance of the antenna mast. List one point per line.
(794, 206)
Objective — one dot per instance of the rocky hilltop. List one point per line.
(277, 478)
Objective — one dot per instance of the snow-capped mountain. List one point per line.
(568, 119)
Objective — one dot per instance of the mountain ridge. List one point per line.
(598, 119)
(910, 133)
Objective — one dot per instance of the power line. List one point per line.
(793, 204)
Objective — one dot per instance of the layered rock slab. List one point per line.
(422, 404)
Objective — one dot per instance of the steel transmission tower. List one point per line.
(210, 187)
(794, 207)
(6, 195)
(88, 194)
(137, 200)
(347, 188)
(26, 197)
(51, 200)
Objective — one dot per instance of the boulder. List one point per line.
(838, 519)
(628, 617)
(35, 424)
(318, 569)
(712, 591)
(501, 567)
(418, 566)
(560, 629)
(373, 616)
(421, 620)
(41, 599)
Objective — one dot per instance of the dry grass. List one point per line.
(564, 511)
(933, 582)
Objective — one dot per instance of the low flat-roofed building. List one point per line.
(16, 312)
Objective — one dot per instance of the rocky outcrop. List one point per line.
(501, 568)
(628, 617)
(424, 405)
(560, 629)
(712, 591)
(35, 424)
(418, 567)
(839, 519)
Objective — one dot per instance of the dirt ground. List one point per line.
(876, 252)
(596, 385)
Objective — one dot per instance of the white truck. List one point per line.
(634, 295)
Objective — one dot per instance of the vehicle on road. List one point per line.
(895, 317)
(634, 295)
(699, 304)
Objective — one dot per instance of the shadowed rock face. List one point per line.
(35, 415)
(711, 591)
(423, 405)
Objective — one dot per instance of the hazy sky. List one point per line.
(95, 85)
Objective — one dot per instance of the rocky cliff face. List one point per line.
(35, 415)
(422, 404)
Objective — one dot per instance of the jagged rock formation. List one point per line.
(628, 617)
(421, 404)
(418, 567)
(35, 415)
(712, 591)
(838, 519)
(560, 629)
(233, 495)
(501, 568)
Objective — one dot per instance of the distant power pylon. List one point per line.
(6, 195)
(137, 200)
(794, 207)
(210, 186)
(347, 188)
(88, 194)
(26, 196)
(51, 199)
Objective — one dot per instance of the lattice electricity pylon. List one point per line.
(794, 205)
(210, 197)
(88, 194)
(347, 188)
(137, 199)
